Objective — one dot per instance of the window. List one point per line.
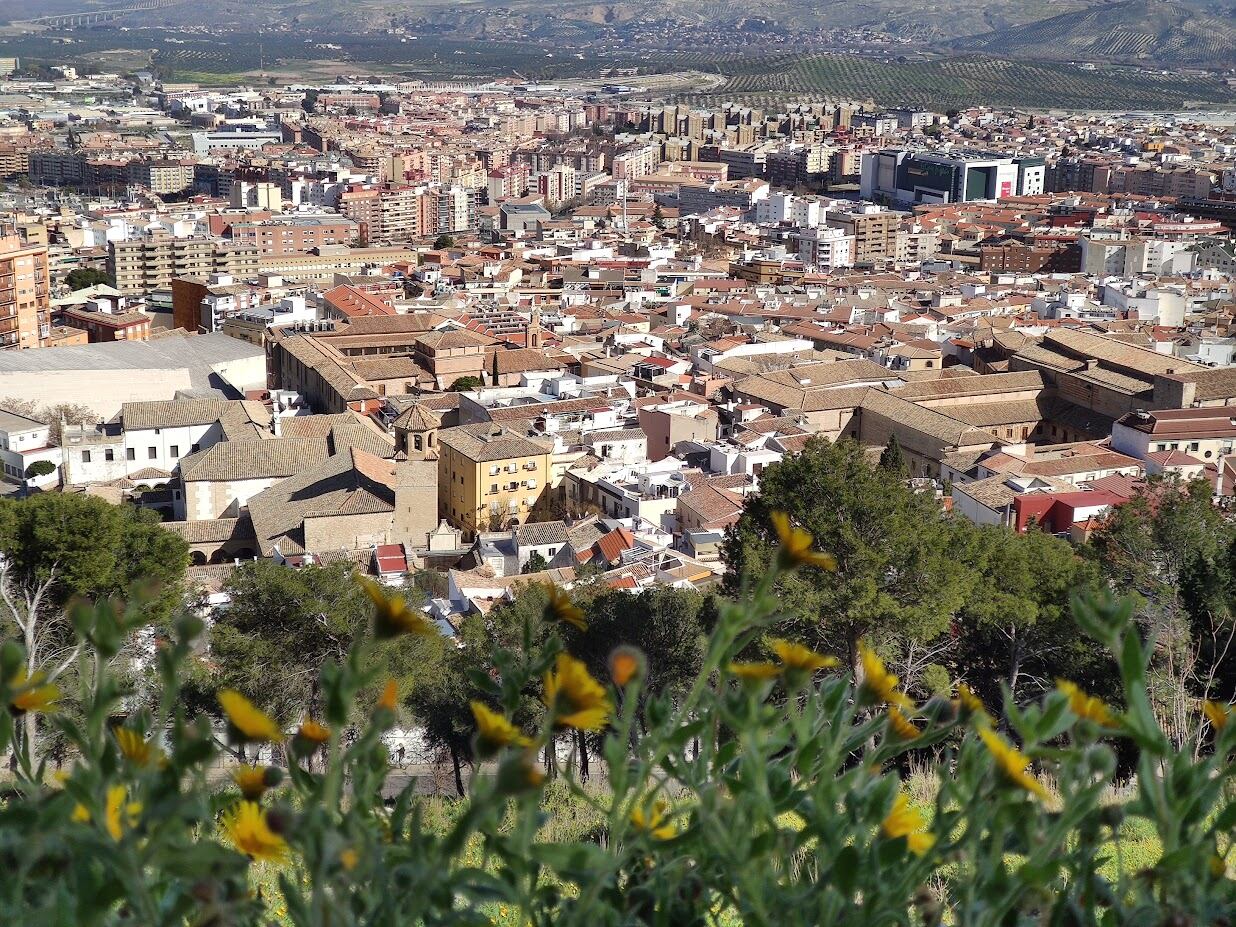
(416, 442)
(109, 455)
(493, 471)
(85, 457)
(175, 450)
(130, 454)
(152, 452)
(1193, 446)
(493, 487)
(195, 448)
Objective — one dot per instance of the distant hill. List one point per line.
(1163, 31)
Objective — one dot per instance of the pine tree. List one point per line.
(892, 458)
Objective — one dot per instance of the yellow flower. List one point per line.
(1012, 763)
(559, 607)
(797, 657)
(654, 820)
(252, 781)
(625, 664)
(1086, 706)
(971, 705)
(391, 614)
(796, 546)
(755, 671)
(247, 828)
(878, 683)
(576, 699)
(313, 732)
(248, 722)
(120, 814)
(904, 821)
(137, 749)
(33, 693)
(495, 731)
(349, 858)
(389, 696)
(81, 814)
(901, 726)
(1217, 713)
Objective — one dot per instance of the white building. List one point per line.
(23, 441)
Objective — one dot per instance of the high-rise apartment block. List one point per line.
(25, 294)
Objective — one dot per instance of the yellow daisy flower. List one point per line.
(796, 546)
(81, 814)
(495, 731)
(878, 684)
(1086, 706)
(391, 614)
(576, 699)
(248, 830)
(755, 672)
(901, 726)
(389, 696)
(33, 694)
(1217, 713)
(137, 749)
(654, 821)
(1012, 764)
(349, 858)
(970, 705)
(247, 721)
(253, 781)
(797, 657)
(120, 814)
(559, 607)
(907, 822)
(313, 731)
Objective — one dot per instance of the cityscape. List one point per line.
(618, 463)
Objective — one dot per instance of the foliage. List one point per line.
(755, 797)
(893, 458)
(443, 241)
(896, 575)
(40, 468)
(282, 625)
(536, 564)
(466, 384)
(92, 548)
(82, 277)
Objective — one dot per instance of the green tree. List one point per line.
(91, 548)
(896, 576)
(81, 277)
(310, 102)
(466, 384)
(40, 468)
(440, 703)
(1166, 546)
(893, 459)
(282, 625)
(443, 241)
(536, 564)
(1015, 629)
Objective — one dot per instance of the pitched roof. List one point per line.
(488, 441)
(253, 460)
(352, 483)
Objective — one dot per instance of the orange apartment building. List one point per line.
(25, 294)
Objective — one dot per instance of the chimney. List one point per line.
(277, 424)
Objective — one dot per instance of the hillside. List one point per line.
(1129, 30)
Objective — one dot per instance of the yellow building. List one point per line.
(490, 477)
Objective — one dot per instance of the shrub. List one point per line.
(770, 792)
